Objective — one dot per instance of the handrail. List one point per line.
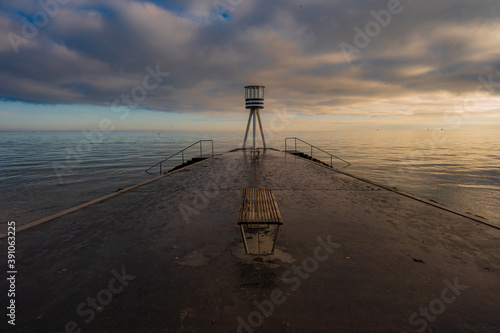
(182, 154)
(312, 146)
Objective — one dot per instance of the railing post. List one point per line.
(295, 144)
(212, 148)
(182, 157)
(160, 169)
(201, 146)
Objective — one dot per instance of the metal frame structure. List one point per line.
(259, 207)
(243, 235)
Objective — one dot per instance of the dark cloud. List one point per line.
(93, 53)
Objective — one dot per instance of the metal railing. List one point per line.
(312, 149)
(182, 155)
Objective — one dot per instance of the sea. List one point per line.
(43, 173)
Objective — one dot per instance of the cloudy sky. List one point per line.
(182, 64)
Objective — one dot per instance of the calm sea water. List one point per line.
(44, 173)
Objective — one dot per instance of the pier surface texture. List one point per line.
(168, 257)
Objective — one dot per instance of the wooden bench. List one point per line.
(259, 207)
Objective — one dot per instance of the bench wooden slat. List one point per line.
(253, 213)
(249, 205)
(258, 204)
(265, 209)
(240, 216)
(274, 207)
(265, 205)
(269, 207)
(278, 214)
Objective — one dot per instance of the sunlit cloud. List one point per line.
(430, 59)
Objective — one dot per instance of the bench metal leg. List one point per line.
(275, 238)
(244, 239)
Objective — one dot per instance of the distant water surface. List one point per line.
(44, 173)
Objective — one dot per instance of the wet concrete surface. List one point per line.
(168, 257)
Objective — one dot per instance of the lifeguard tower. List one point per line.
(254, 100)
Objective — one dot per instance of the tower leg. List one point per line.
(254, 116)
(248, 127)
(261, 131)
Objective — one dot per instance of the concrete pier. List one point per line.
(168, 257)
